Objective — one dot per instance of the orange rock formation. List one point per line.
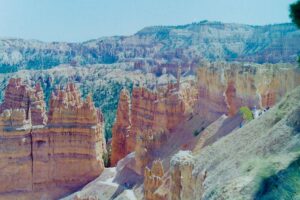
(21, 96)
(153, 180)
(48, 160)
(224, 88)
(142, 126)
(121, 129)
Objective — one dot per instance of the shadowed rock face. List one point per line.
(48, 160)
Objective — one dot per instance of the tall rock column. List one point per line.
(38, 106)
(153, 179)
(182, 165)
(121, 128)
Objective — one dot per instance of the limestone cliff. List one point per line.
(49, 160)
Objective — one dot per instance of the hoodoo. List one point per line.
(53, 159)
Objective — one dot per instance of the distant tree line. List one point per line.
(295, 16)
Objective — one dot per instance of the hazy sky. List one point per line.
(80, 20)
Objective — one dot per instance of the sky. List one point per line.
(81, 20)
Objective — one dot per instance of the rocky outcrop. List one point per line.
(182, 165)
(48, 160)
(154, 114)
(68, 151)
(153, 180)
(21, 96)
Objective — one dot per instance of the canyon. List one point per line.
(48, 154)
(219, 92)
(162, 139)
(200, 111)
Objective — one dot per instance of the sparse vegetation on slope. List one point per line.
(246, 163)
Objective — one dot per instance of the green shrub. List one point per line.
(246, 112)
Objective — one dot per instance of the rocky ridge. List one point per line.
(156, 47)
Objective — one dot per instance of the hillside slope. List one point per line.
(253, 161)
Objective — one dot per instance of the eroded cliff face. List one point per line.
(144, 128)
(225, 87)
(68, 151)
(15, 151)
(51, 160)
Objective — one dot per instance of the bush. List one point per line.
(246, 112)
